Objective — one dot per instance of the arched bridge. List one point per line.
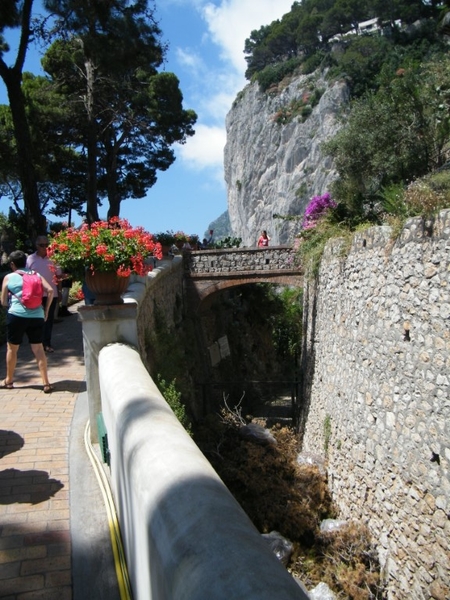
(209, 271)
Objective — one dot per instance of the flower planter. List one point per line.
(107, 287)
(104, 249)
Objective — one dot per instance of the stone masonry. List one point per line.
(209, 271)
(232, 261)
(377, 395)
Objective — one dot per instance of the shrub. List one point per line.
(228, 242)
(313, 62)
(421, 199)
(173, 399)
(279, 494)
(424, 197)
(275, 73)
(311, 242)
(271, 487)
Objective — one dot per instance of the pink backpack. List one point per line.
(32, 289)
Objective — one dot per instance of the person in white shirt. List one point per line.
(40, 262)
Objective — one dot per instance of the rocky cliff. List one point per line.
(273, 159)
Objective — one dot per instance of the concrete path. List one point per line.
(39, 439)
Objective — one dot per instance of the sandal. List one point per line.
(6, 386)
(48, 349)
(48, 389)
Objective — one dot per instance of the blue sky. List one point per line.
(206, 42)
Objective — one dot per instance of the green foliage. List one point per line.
(165, 238)
(422, 199)
(75, 293)
(227, 242)
(393, 205)
(169, 352)
(361, 61)
(138, 112)
(286, 319)
(312, 242)
(273, 74)
(303, 35)
(173, 399)
(14, 228)
(393, 199)
(298, 107)
(301, 192)
(18, 15)
(314, 62)
(393, 135)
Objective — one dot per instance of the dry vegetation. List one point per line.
(279, 494)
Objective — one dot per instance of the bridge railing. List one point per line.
(185, 536)
(222, 262)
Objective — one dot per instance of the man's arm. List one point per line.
(49, 291)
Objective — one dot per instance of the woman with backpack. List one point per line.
(21, 319)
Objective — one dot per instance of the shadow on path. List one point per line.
(30, 487)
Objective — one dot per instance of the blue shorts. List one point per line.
(17, 326)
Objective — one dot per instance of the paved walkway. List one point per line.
(35, 540)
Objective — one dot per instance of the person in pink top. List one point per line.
(39, 262)
(263, 240)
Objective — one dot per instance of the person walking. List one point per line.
(263, 240)
(66, 284)
(40, 262)
(21, 320)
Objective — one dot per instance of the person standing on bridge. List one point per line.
(263, 240)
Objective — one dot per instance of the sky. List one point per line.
(206, 42)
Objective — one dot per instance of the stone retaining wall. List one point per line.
(377, 395)
(162, 295)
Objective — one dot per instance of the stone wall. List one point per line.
(377, 395)
(239, 259)
(163, 296)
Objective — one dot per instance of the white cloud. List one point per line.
(231, 22)
(189, 59)
(205, 148)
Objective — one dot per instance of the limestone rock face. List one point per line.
(273, 159)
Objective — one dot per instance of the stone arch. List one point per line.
(200, 289)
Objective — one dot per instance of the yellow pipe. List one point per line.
(120, 564)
